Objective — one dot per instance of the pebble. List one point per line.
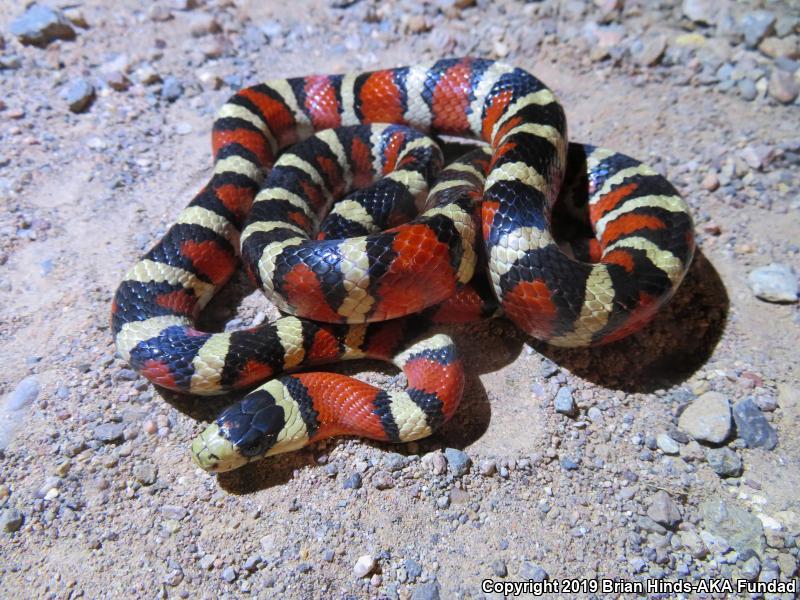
(532, 571)
(79, 95)
(382, 480)
(666, 444)
(206, 562)
(146, 474)
(23, 395)
(364, 566)
(203, 24)
(565, 402)
(413, 569)
(710, 182)
(487, 467)
(747, 89)
(739, 528)
(228, 574)
(499, 568)
(651, 51)
(693, 543)
(663, 510)
(426, 591)
(708, 418)
(774, 283)
(109, 433)
(724, 462)
(172, 89)
(40, 25)
(458, 462)
(783, 86)
(750, 568)
(752, 426)
(756, 25)
(15, 408)
(595, 415)
(11, 520)
(353, 481)
(700, 11)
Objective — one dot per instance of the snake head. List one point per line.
(244, 432)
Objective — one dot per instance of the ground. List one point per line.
(98, 494)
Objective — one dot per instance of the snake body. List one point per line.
(285, 150)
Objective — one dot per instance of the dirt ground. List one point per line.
(547, 497)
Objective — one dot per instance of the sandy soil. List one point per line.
(83, 194)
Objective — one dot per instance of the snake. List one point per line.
(333, 194)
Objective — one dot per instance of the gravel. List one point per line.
(83, 194)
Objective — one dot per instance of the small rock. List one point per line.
(147, 75)
(24, 394)
(206, 562)
(752, 426)
(530, 571)
(117, 80)
(413, 569)
(252, 562)
(159, 13)
(202, 24)
(700, 11)
(458, 462)
(145, 474)
(40, 25)
(756, 25)
(443, 502)
(418, 24)
(774, 283)
(783, 86)
(747, 89)
(170, 511)
(228, 574)
(76, 17)
(499, 568)
(766, 402)
(394, 461)
(724, 461)
(109, 433)
(382, 480)
(79, 95)
(651, 51)
(11, 520)
(364, 566)
(710, 182)
(708, 418)
(565, 403)
(426, 591)
(172, 89)
(353, 481)
(751, 568)
(595, 414)
(666, 444)
(694, 544)
(568, 464)
(775, 47)
(487, 467)
(664, 511)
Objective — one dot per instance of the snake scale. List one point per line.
(405, 243)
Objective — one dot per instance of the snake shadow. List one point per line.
(678, 342)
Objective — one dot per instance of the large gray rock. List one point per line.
(774, 283)
(40, 25)
(707, 419)
(752, 426)
(742, 530)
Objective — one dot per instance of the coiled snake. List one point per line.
(405, 240)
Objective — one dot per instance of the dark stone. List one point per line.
(40, 25)
(752, 426)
